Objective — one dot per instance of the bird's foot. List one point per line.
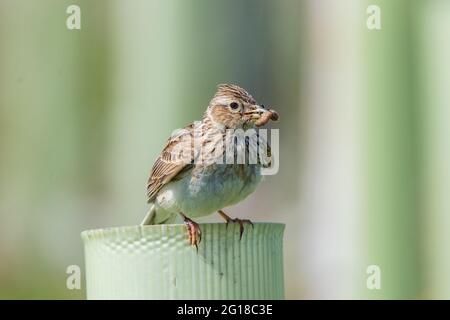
(241, 222)
(194, 232)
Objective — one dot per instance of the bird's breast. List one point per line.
(210, 188)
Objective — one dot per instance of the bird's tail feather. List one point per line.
(150, 216)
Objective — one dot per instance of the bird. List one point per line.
(194, 176)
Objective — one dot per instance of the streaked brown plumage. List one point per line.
(195, 188)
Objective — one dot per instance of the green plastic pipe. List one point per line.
(157, 262)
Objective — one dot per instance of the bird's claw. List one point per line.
(194, 232)
(241, 224)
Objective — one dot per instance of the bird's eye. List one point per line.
(234, 105)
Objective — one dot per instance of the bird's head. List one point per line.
(232, 108)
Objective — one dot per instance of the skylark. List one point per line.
(196, 174)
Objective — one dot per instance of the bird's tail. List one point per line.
(150, 216)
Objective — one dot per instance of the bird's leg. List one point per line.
(241, 222)
(194, 232)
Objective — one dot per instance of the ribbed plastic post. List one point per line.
(157, 262)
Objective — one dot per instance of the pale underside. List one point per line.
(197, 189)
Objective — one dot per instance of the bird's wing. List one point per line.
(173, 160)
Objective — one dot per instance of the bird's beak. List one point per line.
(259, 115)
(256, 111)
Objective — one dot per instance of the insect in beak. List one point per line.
(260, 115)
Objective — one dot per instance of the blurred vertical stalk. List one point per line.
(391, 150)
(147, 57)
(53, 98)
(330, 235)
(435, 79)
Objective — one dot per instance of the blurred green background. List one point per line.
(365, 134)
